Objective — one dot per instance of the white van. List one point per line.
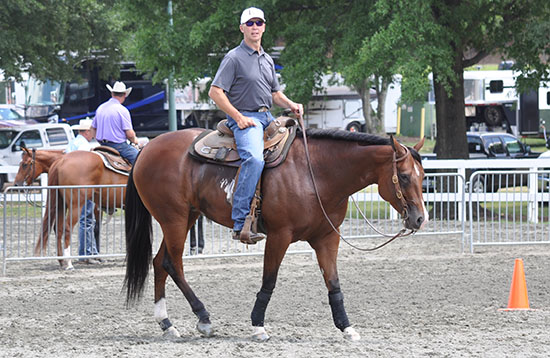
(38, 136)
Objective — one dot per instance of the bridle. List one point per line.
(395, 181)
(33, 167)
(398, 193)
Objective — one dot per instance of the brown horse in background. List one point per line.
(174, 188)
(64, 205)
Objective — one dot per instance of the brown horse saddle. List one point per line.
(112, 160)
(219, 146)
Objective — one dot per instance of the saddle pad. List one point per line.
(209, 144)
(113, 162)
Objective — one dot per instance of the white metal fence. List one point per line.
(512, 208)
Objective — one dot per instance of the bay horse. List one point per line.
(175, 189)
(64, 205)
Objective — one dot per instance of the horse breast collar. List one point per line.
(218, 147)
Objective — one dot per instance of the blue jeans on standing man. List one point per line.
(126, 150)
(250, 146)
(86, 238)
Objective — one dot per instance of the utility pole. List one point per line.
(172, 124)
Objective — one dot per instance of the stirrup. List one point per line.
(250, 238)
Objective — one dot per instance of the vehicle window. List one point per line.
(31, 138)
(475, 145)
(6, 137)
(513, 145)
(57, 136)
(8, 113)
(77, 91)
(495, 145)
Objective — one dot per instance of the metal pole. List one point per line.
(172, 124)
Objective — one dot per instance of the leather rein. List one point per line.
(398, 193)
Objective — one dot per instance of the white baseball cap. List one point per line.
(119, 87)
(251, 13)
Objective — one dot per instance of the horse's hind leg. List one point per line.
(168, 261)
(326, 250)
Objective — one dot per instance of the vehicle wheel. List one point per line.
(493, 116)
(354, 127)
(478, 185)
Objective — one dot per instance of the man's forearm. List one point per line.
(131, 135)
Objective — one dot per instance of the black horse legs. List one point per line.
(258, 312)
(339, 315)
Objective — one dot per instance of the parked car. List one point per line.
(38, 136)
(491, 145)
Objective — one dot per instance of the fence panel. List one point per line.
(509, 208)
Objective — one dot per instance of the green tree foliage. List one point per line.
(445, 37)
(47, 38)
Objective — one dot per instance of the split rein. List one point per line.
(398, 193)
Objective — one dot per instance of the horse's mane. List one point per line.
(360, 138)
(338, 134)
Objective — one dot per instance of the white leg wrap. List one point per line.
(351, 334)
(160, 310)
(161, 314)
(259, 334)
(67, 252)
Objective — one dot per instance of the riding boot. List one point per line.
(249, 233)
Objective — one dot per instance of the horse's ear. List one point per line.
(25, 149)
(419, 145)
(397, 147)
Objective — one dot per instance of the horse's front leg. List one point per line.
(326, 250)
(275, 249)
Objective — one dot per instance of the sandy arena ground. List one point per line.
(416, 297)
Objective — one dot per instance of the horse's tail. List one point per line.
(138, 242)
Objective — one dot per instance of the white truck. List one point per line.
(37, 136)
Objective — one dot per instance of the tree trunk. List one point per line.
(381, 93)
(364, 92)
(451, 121)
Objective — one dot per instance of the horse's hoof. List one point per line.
(351, 334)
(205, 329)
(260, 335)
(171, 332)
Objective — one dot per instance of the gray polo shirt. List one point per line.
(248, 78)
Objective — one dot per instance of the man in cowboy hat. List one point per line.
(245, 87)
(84, 137)
(87, 242)
(112, 124)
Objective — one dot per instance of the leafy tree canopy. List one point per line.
(47, 38)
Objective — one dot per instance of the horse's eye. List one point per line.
(24, 165)
(404, 179)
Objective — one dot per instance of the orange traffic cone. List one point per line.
(518, 290)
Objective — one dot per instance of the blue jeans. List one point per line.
(86, 237)
(250, 146)
(126, 150)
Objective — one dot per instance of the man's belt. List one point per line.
(261, 109)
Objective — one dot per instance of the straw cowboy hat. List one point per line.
(119, 87)
(83, 125)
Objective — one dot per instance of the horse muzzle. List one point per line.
(415, 219)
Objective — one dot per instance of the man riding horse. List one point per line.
(245, 87)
